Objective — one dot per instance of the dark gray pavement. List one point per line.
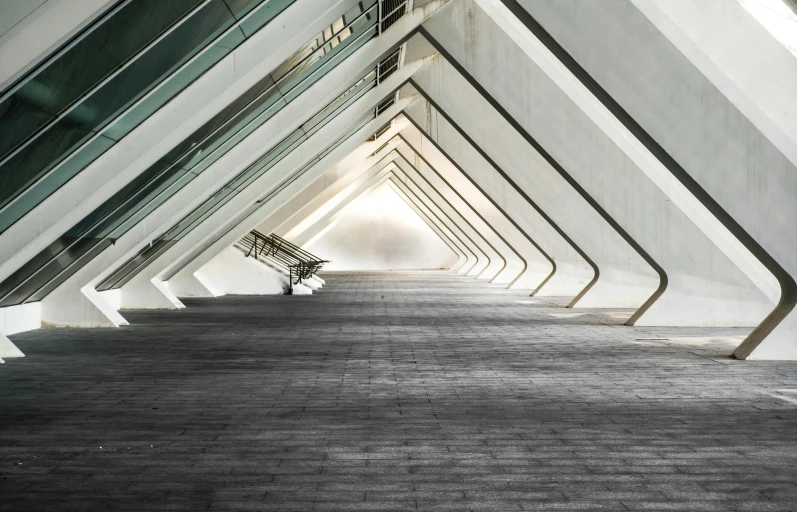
(393, 391)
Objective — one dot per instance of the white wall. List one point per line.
(232, 273)
(380, 232)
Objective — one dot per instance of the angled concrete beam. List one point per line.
(320, 197)
(8, 350)
(414, 202)
(701, 284)
(309, 227)
(438, 215)
(60, 305)
(470, 222)
(166, 128)
(235, 218)
(532, 190)
(535, 270)
(487, 256)
(379, 181)
(188, 283)
(271, 212)
(705, 62)
(556, 279)
(424, 204)
(368, 184)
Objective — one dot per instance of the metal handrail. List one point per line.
(298, 263)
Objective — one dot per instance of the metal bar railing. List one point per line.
(298, 263)
(390, 11)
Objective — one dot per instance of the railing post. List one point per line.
(379, 23)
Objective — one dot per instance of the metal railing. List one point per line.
(287, 257)
(390, 11)
(388, 65)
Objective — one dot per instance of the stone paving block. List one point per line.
(392, 391)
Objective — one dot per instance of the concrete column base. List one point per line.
(231, 272)
(149, 294)
(188, 285)
(73, 307)
(8, 350)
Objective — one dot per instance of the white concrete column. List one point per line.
(188, 111)
(469, 221)
(704, 286)
(8, 350)
(323, 195)
(358, 159)
(471, 204)
(533, 189)
(488, 261)
(729, 127)
(542, 274)
(232, 273)
(412, 188)
(372, 181)
(325, 214)
(573, 275)
(235, 218)
(192, 195)
(413, 202)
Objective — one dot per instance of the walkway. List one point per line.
(392, 391)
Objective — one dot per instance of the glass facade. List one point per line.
(82, 101)
(193, 155)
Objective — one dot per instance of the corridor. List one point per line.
(393, 391)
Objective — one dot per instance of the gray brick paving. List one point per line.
(393, 391)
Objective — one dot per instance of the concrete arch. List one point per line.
(321, 199)
(453, 215)
(552, 285)
(513, 236)
(366, 185)
(704, 285)
(626, 280)
(424, 161)
(728, 73)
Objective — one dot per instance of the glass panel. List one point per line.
(240, 8)
(131, 268)
(131, 83)
(30, 164)
(51, 182)
(263, 15)
(165, 189)
(324, 52)
(67, 264)
(74, 73)
(66, 250)
(179, 81)
(172, 172)
(330, 61)
(137, 75)
(42, 154)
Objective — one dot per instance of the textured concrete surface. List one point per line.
(393, 391)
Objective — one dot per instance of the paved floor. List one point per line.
(392, 391)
